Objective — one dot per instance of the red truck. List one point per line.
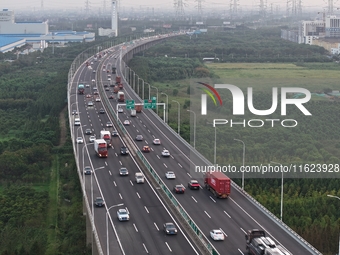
(106, 135)
(118, 79)
(100, 148)
(218, 183)
(138, 107)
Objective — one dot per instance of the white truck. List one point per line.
(133, 113)
(100, 148)
(106, 135)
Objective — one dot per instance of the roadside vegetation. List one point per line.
(261, 60)
(40, 197)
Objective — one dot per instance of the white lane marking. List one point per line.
(144, 125)
(243, 230)
(110, 172)
(158, 157)
(156, 226)
(172, 156)
(131, 182)
(230, 218)
(212, 199)
(194, 199)
(135, 227)
(153, 136)
(145, 248)
(151, 149)
(106, 163)
(116, 154)
(138, 195)
(207, 214)
(120, 195)
(120, 162)
(223, 232)
(240, 251)
(137, 130)
(146, 142)
(180, 165)
(189, 175)
(146, 209)
(133, 125)
(165, 165)
(168, 246)
(149, 130)
(114, 183)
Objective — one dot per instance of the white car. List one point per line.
(165, 153)
(123, 215)
(156, 141)
(120, 110)
(126, 122)
(92, 138)
(97, 99)
(80, 140)
(87, 85)
(170, 175)
(109, 79)
(217, 235)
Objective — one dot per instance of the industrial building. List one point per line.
(312, 32)
(16, 34)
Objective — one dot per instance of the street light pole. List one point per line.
(215, 149)
(167, 106)
(92, 188)
(179, 117)
(194, 127)
(107, 227)
(142, 86)
(214, 143)
(244, 153)
(339, 234)
(143, 89)
(156, 98)
(281, 209)
(149, 90)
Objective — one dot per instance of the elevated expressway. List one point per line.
(233, 216)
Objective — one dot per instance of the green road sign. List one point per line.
(130, 104)
(150, 104)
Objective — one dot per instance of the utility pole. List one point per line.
(179, 8)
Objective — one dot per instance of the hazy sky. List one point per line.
(95, 4)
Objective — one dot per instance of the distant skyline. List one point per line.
(156, 4)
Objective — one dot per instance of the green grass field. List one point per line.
(268, 75)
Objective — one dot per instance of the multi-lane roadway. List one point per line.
(143, 233)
